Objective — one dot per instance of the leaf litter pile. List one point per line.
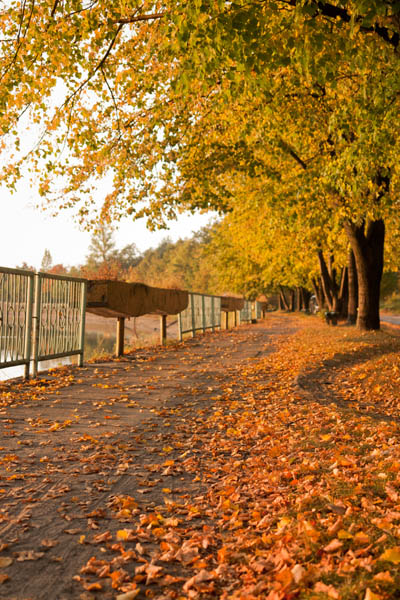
(262, 462)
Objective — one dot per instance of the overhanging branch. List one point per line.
(135, 19)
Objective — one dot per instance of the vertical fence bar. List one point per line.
(163, 329)
(120, 336)
(193, 315)
(28, 325)
(212, 314)
(6, 317)
(13, 320)
(203, 313)
(180, 327)
(82, 321)
(35, 318)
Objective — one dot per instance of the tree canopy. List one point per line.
(115, 89)
(178, 105)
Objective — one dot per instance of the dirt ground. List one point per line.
(91, 457)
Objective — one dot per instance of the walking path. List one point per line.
(256, 463)
(394, 319)
(78, 449)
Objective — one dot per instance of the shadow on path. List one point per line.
(322, 382)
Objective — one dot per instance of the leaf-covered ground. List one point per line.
(262, 462)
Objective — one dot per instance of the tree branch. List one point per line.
(293, 154)
(336, 12)
(133, 19)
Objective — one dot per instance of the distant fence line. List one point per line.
(42, 316)
(203, 313)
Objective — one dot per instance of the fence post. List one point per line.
(180, 327)
(227, 320)
(193, 315)
(28, 326)
(163, 329)
(35, 319)
(203, 313)
(213, 313)
(82, 324)
(119, 351)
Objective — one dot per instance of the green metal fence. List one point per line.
(16, 298)
(59, 313)
(245, 315)
(258, 310)
(203, 312)
(42, 317)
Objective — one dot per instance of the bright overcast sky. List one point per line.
(26, 232)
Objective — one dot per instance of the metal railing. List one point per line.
(203, 312)
(42, 317)
(16, 299)
(59, 313)
(258, 313)
(245, 315)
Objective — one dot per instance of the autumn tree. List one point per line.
(320, 77)
(185, 264)
(104, 260)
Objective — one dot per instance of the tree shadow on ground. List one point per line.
(323, 381)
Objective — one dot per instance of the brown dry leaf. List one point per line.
(5, 561)
(170, 579)
(336, 526)
(152, 572)
(102, 537)
(200, 577)
(333, 546)
(298, 573)
(3, 577)
(139, 549)
(329, 590)
(29, 555)
(72, 531)
(48, 543)
(370, 595)
(361, 538)
(384, 576)
(93, 587)
(117, 578)
(128, 595)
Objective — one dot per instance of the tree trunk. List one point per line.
(283, 303)
(318, 291)
(305, 299)
(353, 290)
(292, 301)
(367, 243)
(298, 299)
(328, 283)
(344, 293)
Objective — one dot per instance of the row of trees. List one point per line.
(219, 259)
(185, 264)
(281, 114)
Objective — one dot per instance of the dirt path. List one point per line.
(93, 459)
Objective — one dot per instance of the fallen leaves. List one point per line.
(5, 561)
(391, 555)
(264, 492)
(28, 555)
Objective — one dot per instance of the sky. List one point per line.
(27, 231)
